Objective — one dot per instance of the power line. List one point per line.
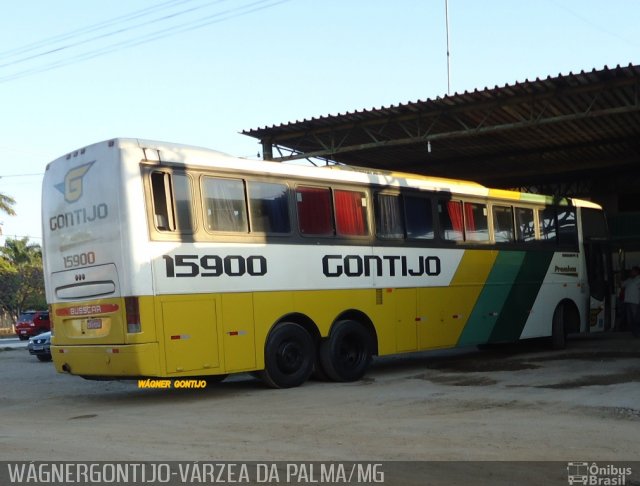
(593, 24)
(149, 37)
(15, 237)
(108, 34)
(21, 175)
(90, 28)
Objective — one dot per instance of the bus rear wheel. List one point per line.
(346, 354)
(289, 356)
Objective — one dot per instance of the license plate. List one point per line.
(38, 348)
(94, 324)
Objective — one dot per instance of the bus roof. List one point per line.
(165, 152)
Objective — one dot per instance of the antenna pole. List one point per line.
(446, 16)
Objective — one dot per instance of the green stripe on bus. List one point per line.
(536, 198)
(524, 291)
(492, 298)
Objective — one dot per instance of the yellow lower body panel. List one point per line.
(108, 360)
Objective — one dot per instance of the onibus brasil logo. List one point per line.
(72, 185)
(593, 474)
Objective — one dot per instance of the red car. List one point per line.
(32, 323)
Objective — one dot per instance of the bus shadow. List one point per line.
(495, 357)
(526, 354)
(529, 354)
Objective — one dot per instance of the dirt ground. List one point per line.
(515, 403)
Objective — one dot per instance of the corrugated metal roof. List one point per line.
(556, 128)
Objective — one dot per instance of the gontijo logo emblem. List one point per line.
(72, 185)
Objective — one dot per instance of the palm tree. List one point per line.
(6, 204)
(20, 252)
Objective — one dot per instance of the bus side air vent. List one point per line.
(378, 296)
(85, 290)
(84, 283)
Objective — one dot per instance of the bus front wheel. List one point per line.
(289, 356)
(345, 355)
(559, 328)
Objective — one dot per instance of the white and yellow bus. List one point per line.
(164, 260)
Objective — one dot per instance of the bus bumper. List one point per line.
(108, 361)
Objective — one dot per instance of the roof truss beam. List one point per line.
(560, 105)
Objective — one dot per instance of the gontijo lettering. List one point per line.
(78, 217)
(380, 266)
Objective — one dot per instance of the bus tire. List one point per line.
(319, 374)
(558, 329)
(289, 356)
(346, 354)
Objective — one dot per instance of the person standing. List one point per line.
(631, 288)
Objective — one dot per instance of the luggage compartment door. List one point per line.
(190, 334)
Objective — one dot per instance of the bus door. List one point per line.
(600, 279)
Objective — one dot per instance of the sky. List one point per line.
(198, 72)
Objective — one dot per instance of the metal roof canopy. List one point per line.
(555, 135)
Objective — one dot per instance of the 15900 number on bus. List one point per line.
(214, 265)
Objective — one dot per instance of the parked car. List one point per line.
(32, 323)
(40, 346)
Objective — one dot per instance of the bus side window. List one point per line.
(226, 208)
(419, 218)
(314, 211)
(594, 223)
(182, 201)
(351, 213)
(525, 225)
(171, 202)
(451, 220)
(547, 218)
(161, 193)
(269, 207)
(476, 227)
(567, 228)
(503, 231)
(389, 223)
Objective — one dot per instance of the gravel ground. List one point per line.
(515, 403)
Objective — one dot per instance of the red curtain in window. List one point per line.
(469, 220)
(350, 217)
(314, 211)
(454, 208)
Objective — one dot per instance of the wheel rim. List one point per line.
(351, 352)
(289, 357)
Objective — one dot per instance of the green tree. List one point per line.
(20, 253)
(6, 205)
(21, 276)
